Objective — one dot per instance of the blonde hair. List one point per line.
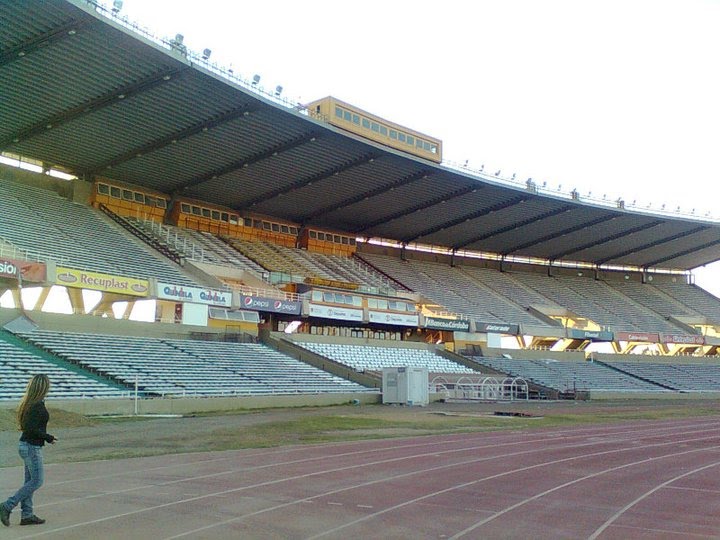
(37, 388)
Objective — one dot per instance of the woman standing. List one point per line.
(32, 417)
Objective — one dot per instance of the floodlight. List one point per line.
(255, 79)
(278, 90)
(206, 54)
(117, 6)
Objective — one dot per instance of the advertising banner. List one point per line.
(435, 323)
(399, 319)
(194, 295)
(592, 335)
(79, 279)
(272, 305)
(497, 328)
(332, 312)
(29, 271)
(682, 339)
(645, 337)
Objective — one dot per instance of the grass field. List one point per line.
(88, 438)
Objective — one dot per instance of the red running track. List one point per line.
(658, 480)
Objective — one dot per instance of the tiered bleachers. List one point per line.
(681, 377)
(453, 289)
(199, 246)
(375, 358)
(40, 220)
(304, 263)
(695, 298)
(187, 367)
(17, 366)
(569, 375)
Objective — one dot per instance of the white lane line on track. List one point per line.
(487, 438)
(645, 495)
(633, 433)
(500, 475)
(487, 444)
(424, 471)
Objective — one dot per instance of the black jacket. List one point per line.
(35, 425)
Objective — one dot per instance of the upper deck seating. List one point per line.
(454, 289)
(39, 220)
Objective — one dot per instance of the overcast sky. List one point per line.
(617, 98)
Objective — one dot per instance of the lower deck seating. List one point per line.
(372, 358)
(17, 366)
(188, 367)
(566, 376)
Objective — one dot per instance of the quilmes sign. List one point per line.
(69, 277)
(497, 328)
(194, 295)
(452, 325)
(272, 305)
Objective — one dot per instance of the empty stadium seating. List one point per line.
(375, 358)
(173, 367)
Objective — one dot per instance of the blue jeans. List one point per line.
(34, 478)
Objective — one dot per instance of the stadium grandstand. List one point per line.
(209, 239)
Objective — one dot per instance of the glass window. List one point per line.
(393, 134)
(275, 227)
(375, 126)
(344, 240)
(357, 301)
(247, 222)
(321, 236)
(317, 296)
(347, 116)
(115, 192)
(383, 130)
(427, 146)
(234, 219)
(139, 197)
(356, 119)
(266, 226)
(284, 229)
(401, 137)
(418, 143)
(160, 202)
(127, 195)
(366, 123)
(338, 112)
(185, 208)
(206, 212)
(257, 223)
(352, 241)
(433, 149)
(313, 235)
(372, 303)
(293, 231)
(103, 189)
(224, 216)
(196, 211)
(383, 304)
(215, 215)
(410, 140)
(329, 297)
(349, 300)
